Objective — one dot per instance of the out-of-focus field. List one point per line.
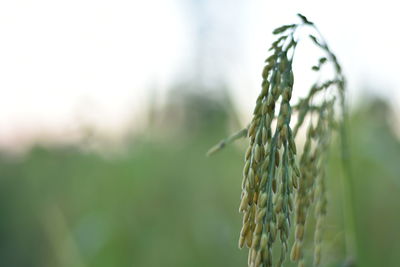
(161, 202)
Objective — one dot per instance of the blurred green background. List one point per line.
(160, 202)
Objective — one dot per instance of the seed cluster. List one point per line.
(312, 182)
(276, 192)
(270, 174)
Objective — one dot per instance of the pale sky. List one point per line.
(68, 63)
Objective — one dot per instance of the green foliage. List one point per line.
(164, 204)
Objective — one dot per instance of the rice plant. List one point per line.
(282, 184)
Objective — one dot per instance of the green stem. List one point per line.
(348, 190)
(227, 141)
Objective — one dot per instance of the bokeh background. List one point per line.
(107, 109)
